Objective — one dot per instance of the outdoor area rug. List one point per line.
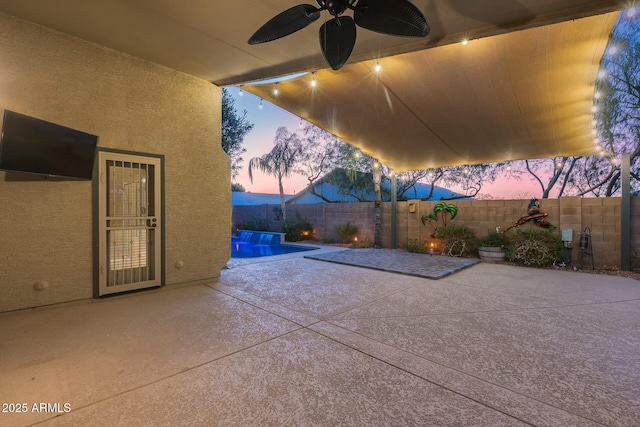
(411, 264)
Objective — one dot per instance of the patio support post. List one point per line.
(394, 200)
(625, 212)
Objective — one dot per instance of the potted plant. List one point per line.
(492, 248)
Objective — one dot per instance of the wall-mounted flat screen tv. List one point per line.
(35, 146)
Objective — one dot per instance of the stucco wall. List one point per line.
(131, 104)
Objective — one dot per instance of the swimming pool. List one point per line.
(242, 249)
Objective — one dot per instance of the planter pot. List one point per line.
(492, 254)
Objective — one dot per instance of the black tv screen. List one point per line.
(35, 146)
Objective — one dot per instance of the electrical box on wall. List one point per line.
(567, 235)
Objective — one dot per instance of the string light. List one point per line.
(602, 74)
(465, 41)
(378, 67)
(260, 105)
(240, 92)
(597, 95)
(313, 80)
(631, 13)
(275, 89)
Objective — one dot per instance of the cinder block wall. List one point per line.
(599, 216)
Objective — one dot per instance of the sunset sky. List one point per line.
(260, 141)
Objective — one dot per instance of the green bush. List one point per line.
(416, 247)
(535, 247)
(327, 240)
(253, 224)
(457, 240)
(362, 245)
(493, 240)
(297, 229)
(347, 232)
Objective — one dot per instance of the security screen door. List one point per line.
(129, 204)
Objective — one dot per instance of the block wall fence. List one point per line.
(600, 215)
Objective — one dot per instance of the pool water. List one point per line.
(242, 249)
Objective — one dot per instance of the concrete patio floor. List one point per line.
(288, 341)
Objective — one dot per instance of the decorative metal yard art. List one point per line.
(533, 214)
(440, 210)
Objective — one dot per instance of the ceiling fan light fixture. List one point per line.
(338, 35)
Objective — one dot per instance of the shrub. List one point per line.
(414, 246)
(328, 240)
(347, 232)
(361, 245)
(535, 247)
(457, 240)
(297, 229)
(253, 224)
(493, 240)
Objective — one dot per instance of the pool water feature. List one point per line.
(253, 244)
(261, 237)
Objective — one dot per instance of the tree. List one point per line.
(238, 187)
(471, 178)
(319, 154)
(235, 126)
(377, 210)
(280, 161)
(616, 124)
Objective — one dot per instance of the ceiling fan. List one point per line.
(338, 35)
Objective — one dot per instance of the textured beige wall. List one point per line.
(46, 226)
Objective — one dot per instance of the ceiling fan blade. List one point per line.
(285, 23)
(394, 17)
(337, 38)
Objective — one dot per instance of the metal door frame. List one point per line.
(99, 226)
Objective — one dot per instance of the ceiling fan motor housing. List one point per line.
(335, 7)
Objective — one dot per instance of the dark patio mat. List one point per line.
(411, 264)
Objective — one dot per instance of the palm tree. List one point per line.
(280, 161)
(377, 205)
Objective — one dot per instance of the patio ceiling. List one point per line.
(508, 94)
